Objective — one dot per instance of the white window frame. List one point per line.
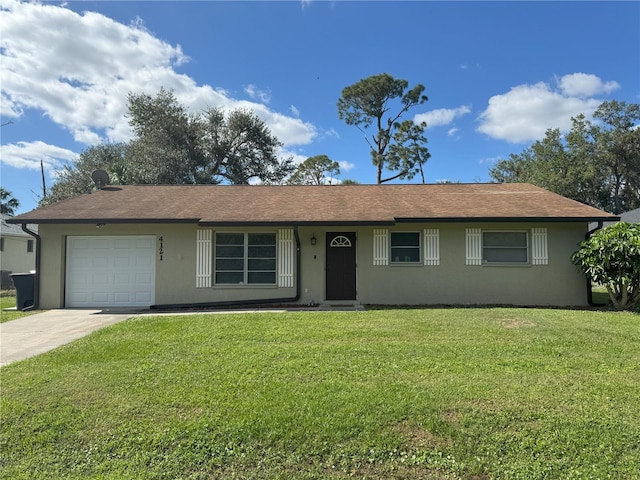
(245, 259)
(527, 247)
(417, 261)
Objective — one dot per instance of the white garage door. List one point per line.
(105, 271)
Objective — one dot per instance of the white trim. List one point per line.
(340, 241)
(381, 246)
(432, 246)
(286, 257)
(204, 248)
(539, 248)
(474, 246)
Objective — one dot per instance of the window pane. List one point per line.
(504, 239)
(230, 264)
(505, 255)
(262, 264)
(229, 251)
(405, 239)
(229, 238)
(229, 277)
(262, 277)
(267, 251)
(402, 255)
(262, 239)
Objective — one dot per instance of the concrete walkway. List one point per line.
(28, 336)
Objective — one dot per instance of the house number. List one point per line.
(161, 250)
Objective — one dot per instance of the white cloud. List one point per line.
(346, 166)
(582, 84)
(452, 132)
(294, 111)
(442, 116)
(258, 94)
(526, 112)
(28, 155)
(77, 69)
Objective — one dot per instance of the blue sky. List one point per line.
(497, 74)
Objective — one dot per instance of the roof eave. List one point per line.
(88, 221)
(296, 223)
(505, 219)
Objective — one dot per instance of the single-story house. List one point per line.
(17, 251)
(169, 245)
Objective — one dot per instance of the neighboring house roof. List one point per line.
(308, 204)
(9, 230)
(632, 216)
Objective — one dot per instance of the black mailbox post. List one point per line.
(25, 286)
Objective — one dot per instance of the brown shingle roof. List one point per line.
(304, 204)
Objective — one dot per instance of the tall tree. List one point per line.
(172, 146)
(239, 147)
(597, 162)
(316, 170)
(379, 102)
(75, 179)
(166, 145)
(8, 204)
(618, 152)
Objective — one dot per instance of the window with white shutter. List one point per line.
(539, 253)
(203, 258)
(286, 257)
(380, 246)
(474, 246)
(431, 246)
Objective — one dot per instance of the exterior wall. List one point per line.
(557, 283)
(450, 282)
(15, 257)
(453, 282)
(175, 272)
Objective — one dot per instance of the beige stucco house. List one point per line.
(17, 251)
(460, 244)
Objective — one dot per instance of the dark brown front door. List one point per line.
(341, 266)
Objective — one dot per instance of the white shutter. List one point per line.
(203, 258)
(286, 257)
(539, 251)
(381, 246)
(431, 246)
(474, 246)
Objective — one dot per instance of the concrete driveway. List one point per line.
(39, 333)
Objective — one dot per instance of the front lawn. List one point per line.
(8, 300)
(399, 394)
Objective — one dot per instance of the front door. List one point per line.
(341, 266)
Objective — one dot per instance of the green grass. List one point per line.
(8, 300)
(600, 296)
(404, 394)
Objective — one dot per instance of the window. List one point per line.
(29, 246)
(245, 258)
(504, 247)
(1, 244)
(405, 247)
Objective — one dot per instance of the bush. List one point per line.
(611, 257)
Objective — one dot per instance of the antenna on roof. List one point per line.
(100, 178)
